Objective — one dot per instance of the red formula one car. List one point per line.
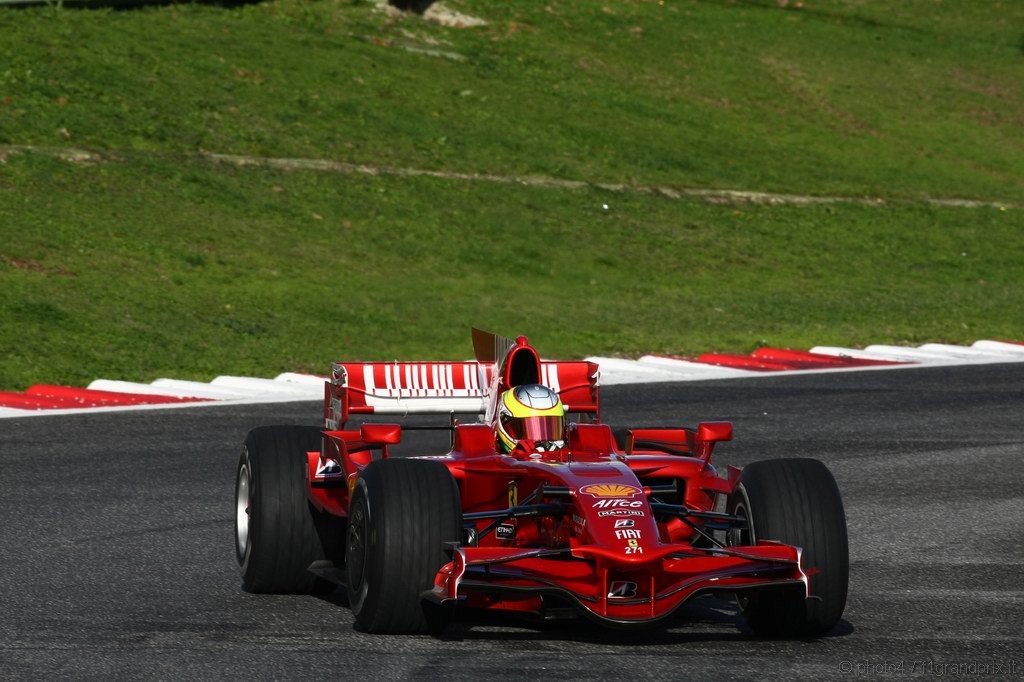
(622, 528)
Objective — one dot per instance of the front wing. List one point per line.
(612, 589)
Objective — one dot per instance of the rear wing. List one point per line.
(404, 388)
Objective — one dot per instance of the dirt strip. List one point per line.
(715, 196)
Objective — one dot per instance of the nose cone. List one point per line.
(618, 516)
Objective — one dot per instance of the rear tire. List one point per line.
(402, 513)
(797, 502)
(278, 533)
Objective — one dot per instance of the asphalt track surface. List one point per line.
(116, 554)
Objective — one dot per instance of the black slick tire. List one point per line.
(401, 514)
(278, 533)
(797, 502)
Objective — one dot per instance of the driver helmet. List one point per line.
(532, 412)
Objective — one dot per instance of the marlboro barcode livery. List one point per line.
(538, 507)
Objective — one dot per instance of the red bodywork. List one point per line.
(618, 533)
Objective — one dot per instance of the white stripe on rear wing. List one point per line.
(403, 388)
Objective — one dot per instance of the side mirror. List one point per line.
(713, 432)
(380, 434)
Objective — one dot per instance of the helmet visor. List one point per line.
(534, 428)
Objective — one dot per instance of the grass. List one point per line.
(159, 262)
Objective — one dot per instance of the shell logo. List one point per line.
(610, 490)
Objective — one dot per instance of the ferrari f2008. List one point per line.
(537, 507)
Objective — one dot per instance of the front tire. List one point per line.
(402, 513)
(278, 533)
(797, 502)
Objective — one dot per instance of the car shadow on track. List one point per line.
(702, 620)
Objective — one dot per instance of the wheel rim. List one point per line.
(355, 550)
(741, 537)
(242, 497)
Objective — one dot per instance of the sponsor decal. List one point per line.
(620, 589)
(513, 493)
(625, 534)
(634, 547)
(579, 520)
(618, 504)
(505, 531)
(328, 468)
(624, 523)
(621, 512)
(610, 490)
